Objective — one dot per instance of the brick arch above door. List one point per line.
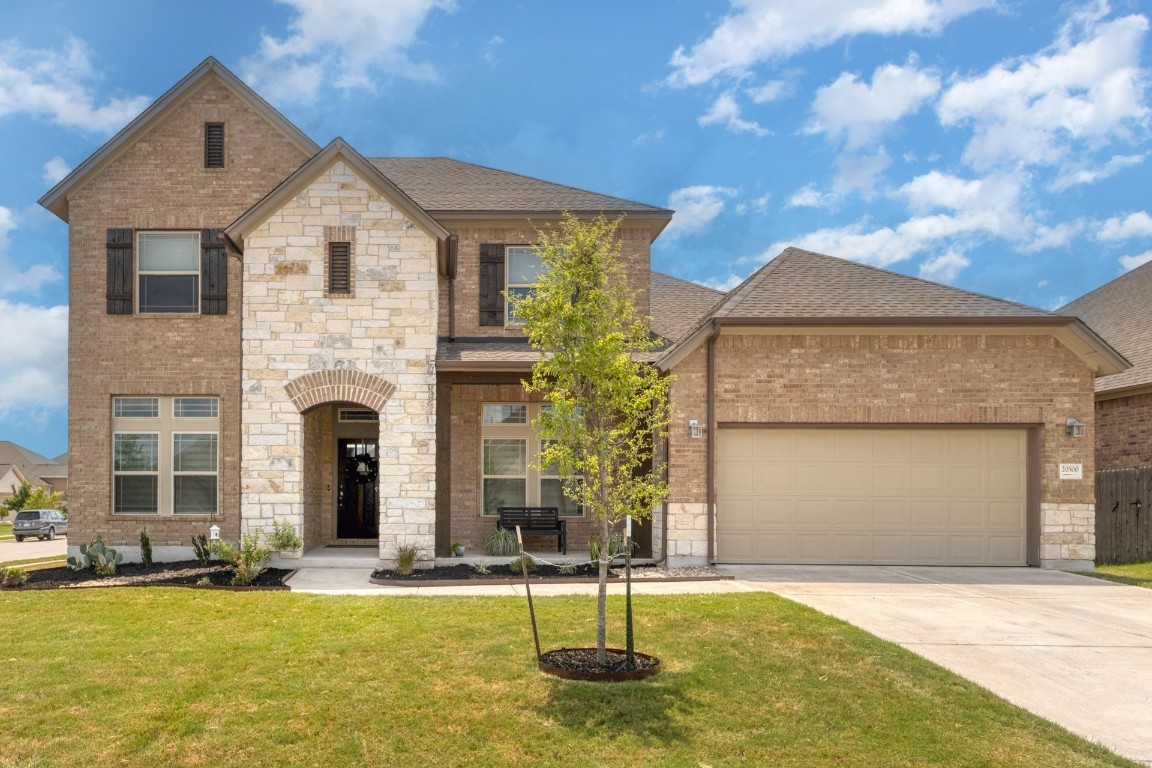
(339, 385)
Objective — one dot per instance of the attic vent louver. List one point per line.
(213, 145)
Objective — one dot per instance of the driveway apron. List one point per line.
(1072, 649)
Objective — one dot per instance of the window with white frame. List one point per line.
(165, 455)
(168, 272)
(524, 269)
(509, 448)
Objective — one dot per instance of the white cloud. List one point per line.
(725, 111)
(1045, 238)
(60, 85)
(350, 42)
(853, 108)
(935, 190)
(759, 31)
(807, 197)
(649, 137)
(725, 285)
(944, 268)
(55, 170)
(696, 208)
(12, 278)
(1137, 224)
(1071, 177)
(1037, 110)
(859, 173)
(1131, 262)
(35, 370)
(492, 48)
(773, 90)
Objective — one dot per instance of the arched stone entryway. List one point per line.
(339, 385)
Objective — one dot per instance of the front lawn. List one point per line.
(1136, 574)
(6, 532)
(178, 677)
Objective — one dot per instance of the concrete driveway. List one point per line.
(1072, 649)
(30, 548)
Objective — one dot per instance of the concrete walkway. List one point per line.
(1072, 649)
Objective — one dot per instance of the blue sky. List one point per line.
(1001, 146)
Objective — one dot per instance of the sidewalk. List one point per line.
(354, 581)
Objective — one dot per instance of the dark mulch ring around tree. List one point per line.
(184, 573)
(581, 664)
(583, 573)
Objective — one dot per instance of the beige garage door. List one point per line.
(881, 496)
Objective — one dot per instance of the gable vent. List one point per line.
(213, 145)
(339, 267)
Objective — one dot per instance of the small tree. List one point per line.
(608, 407)
(28, 496)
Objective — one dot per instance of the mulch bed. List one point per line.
(464, 574)
(581, 664)
(184, 573)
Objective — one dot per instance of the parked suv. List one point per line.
(41, 523)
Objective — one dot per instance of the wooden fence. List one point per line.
(1123, 509)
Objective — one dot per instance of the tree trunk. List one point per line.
(602, 593)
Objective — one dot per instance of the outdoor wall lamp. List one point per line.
(694, 430)
(1074, 427)
(214, 533)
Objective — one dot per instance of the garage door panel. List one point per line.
(901, 496)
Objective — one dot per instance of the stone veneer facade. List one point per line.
(375, 348)
(897, 379)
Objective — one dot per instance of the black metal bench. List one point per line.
(535, 521)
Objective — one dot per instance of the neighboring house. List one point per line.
(1120, 311)
(265, 330)
(31, 466)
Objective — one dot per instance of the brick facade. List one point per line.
(886, 379)
(1124, 432)
(158, 181)
(635, 249)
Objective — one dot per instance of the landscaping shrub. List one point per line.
(284, 537)
(406, 559)
(145, 547)
(501, 542)
(248, 560)
(13, 577)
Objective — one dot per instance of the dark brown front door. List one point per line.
(357, 505)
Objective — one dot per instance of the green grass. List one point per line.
(6, 532)
(177, 677)
(36, 563)
(1136, 574)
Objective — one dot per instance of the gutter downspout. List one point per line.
(710, 449)
(452, 246)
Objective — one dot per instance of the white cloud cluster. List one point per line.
(60, 86)
(726, 111)
(944, 268)
(1036, 110)
(1078, 174)
(1131, 262)
(350, 41)
(1117, 228)
(696, 208)
(760, 31)
(55, 170)
(860, 111)
(12, 278)
(35, 370)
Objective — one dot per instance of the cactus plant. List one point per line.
(98, 556)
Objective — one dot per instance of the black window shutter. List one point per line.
(339, 267)
(213, 145)
(213, 273)
(120, 272)
(492, 284)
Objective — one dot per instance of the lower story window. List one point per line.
(509, 448)
(165, 458)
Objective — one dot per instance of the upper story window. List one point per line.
(524, 269)
(168, 270)
(213, 145)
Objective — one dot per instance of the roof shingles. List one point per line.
(1121, 313)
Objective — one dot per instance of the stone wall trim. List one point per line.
(339, 385)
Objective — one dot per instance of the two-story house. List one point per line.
(265, 330)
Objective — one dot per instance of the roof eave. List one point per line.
(56, 199)
(309, 171)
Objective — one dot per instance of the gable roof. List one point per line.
(32, 465)
(449, 188)
(678, 305)
(56, 199)
(1121, 312)
(803, 288)
(337, 150)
